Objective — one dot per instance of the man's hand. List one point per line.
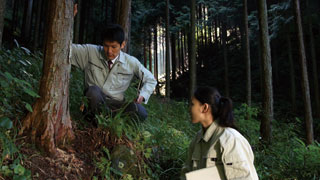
(140, 99)
(75, 10)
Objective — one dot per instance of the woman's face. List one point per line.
(196, 109)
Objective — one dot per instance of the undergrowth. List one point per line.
(159, 144)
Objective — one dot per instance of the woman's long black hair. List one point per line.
(221, 107)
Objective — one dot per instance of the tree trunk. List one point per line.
(292, 75)
(157, 62)
(173, 55)
(83, 20)
(27, 23)
(2, 10)
(150, 52)
(305, 81)
(179, 54)
(192, 60)
(314, 67)
(77, 24)
(225, 60)
(216, 30)
(145, 43)
(37, 28)
(265, 127)
(123, 12)
(167, 51)
(247, 51)
(49, 125)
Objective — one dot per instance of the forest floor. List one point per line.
(74, 162)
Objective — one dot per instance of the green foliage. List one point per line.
(19, 75)
(287, 157)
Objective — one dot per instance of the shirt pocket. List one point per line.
(123, 80)
(96, 74)
(235, 168)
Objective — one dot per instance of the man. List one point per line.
(109, 72)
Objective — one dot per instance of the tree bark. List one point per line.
(247, 51)
(123, 12)
(305, 81)
(49, 125)
(292, 75)
(265, 127)
(225, 60)
(192, 61)
(167, 51)
(2, 11)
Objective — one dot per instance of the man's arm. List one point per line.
(148, 83)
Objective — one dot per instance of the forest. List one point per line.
(263, 54)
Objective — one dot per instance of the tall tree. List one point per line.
(2, 10)
(27, 21)
(123, 11)
(37, 27)
(247, 51)
(304, 71)
(49, 125)
(265, 127)
(192, 60)
(167, 51)
(77, 23)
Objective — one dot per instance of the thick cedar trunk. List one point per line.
(49, 125)
(225, 60)
(292, 75)
(167, 51)
(247, 51)
(265, 127)
(2, 10)
(123, 12)
(305, 81)
(37, 28)
(314, 66)
(192, 60)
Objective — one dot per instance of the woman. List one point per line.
(218, 144)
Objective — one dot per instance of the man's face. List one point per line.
(112, 49)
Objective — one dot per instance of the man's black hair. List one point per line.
(113, 32)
